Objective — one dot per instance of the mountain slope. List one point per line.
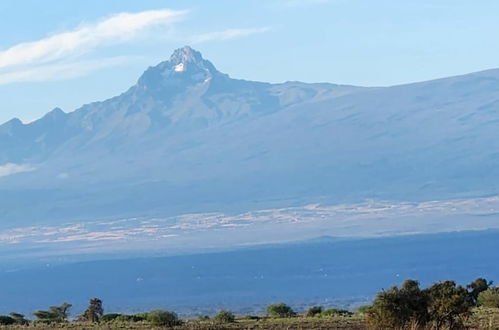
(188, 138)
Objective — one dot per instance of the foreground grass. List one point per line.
(485, 318)
(350, 323)
(481, 319)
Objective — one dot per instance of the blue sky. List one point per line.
(66, 53)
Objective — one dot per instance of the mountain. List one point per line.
(188, 138)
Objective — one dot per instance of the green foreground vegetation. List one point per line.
(443, 305)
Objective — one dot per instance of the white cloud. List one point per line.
(115, 29)
(60, 71)
(10, 168)
(58, 57)
(227, 34)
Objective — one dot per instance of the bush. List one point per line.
(252, 317)
(142, 316)
(19, 318)
(336, 312)
(109, 317)
(489, 298)
(399, 307)
(55, 314)
(442, 305)
(364, 309)
(280, 310)
(449, 305)
(225, 316)
(6, 320)
(313, 311)
(163, 318)
(476, 287)
(130, 318)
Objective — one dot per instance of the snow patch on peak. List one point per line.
(179, 67)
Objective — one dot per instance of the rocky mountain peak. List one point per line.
(186, 66)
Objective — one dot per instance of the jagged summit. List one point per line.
(186, 55)
(185, 66)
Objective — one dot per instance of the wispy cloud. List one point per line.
(10, 168)
(60, 71)
(227, 34)
(115, 29)
(58, 56)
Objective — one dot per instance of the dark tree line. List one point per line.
(442, 305)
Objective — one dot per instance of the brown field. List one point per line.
(292, 323)
(482, 319)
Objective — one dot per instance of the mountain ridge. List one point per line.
(188, 138)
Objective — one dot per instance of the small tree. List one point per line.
(280, 310)
(162, 318)
(330, 312)
(6, 320)
(313, 311)
(54, 314)
(398, 307)
(61, 312)
(489, 298)
(225, 316)
(19, 318)
(449, 304)
(109, 317)
(94, 311)
(476, 287)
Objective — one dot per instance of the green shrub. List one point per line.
(280, 310)
(336, 312)
(55, 314)
(448, 305)
(162, 318)
(225, 316)
(399, 307)
(476, 287)
(252, 317)
(109, 317)
(19, 318)
(313, 311)
(364, 309)
(489, 298)
(129, 318)
(444, 305)
(142, 316)
(6, 320)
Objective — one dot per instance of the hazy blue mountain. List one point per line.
(189, 138)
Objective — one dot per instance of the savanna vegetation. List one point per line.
(442, 305)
